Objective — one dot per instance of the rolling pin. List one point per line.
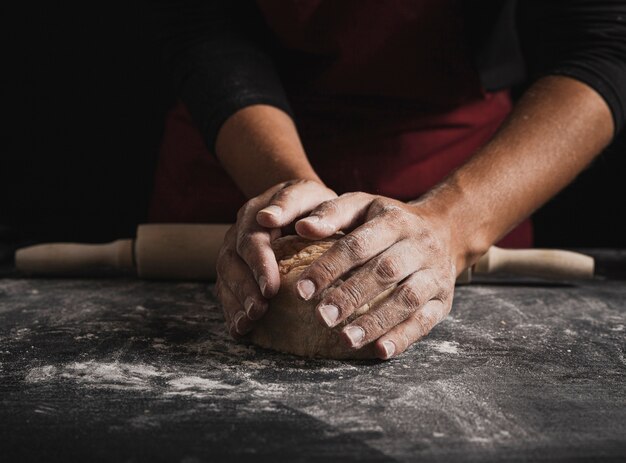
(160, 251)
(551, 264)
(189, 252)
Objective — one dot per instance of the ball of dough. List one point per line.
(290, 324)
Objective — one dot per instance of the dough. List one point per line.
(290, 324)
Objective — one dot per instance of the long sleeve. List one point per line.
(219, 55)
(582, 39)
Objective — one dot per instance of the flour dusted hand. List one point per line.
(247, 271)
(405, 249)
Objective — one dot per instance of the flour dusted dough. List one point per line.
(291, 325)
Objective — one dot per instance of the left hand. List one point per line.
(391, 243)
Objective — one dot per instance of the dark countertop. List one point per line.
(129, 370)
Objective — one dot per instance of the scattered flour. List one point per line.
(132, 377)
(195, 386)
(445, 347)
(114, 375)
(38, 374)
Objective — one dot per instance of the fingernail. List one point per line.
(238, 317)
(305, 288)
(311, 219)
(249, 304)
(262, 284)
(276, 211)
(390, 348)
(330, 314)
(355, 334)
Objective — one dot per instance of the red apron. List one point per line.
(385, 99)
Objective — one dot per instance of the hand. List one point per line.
(247, 272)
(391, 243)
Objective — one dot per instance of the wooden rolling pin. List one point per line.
(160, 251)
(189, 252)
(551, 264)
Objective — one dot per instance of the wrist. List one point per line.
(469, 233)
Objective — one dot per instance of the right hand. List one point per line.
(247, 271)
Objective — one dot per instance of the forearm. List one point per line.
(259, 147)
(554, 132)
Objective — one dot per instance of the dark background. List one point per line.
(84, 99)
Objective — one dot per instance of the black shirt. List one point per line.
(220, 52)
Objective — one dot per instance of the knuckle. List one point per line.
(329, 207)
(379, 202)
(387, 269)
(350, 295)
(282, 196)
(244, 243)
(354, 246)
(430, 244)
(403, 312)
(324, 270)
(393, 211)
(409, 297)
(377, 322)
(423, 326)
(397, 215)
(377, 206)
(290, 185)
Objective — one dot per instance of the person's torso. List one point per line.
(385, 94)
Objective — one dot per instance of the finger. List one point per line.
(237, 276)
(350, 251)
(254, 247)
(418, 325)
(291, 202)
(237, 323)
(342, 213)
(407, 299)
(367, 283)
(253, 244)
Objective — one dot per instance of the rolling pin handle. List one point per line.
(72, 259)
(542, 263)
